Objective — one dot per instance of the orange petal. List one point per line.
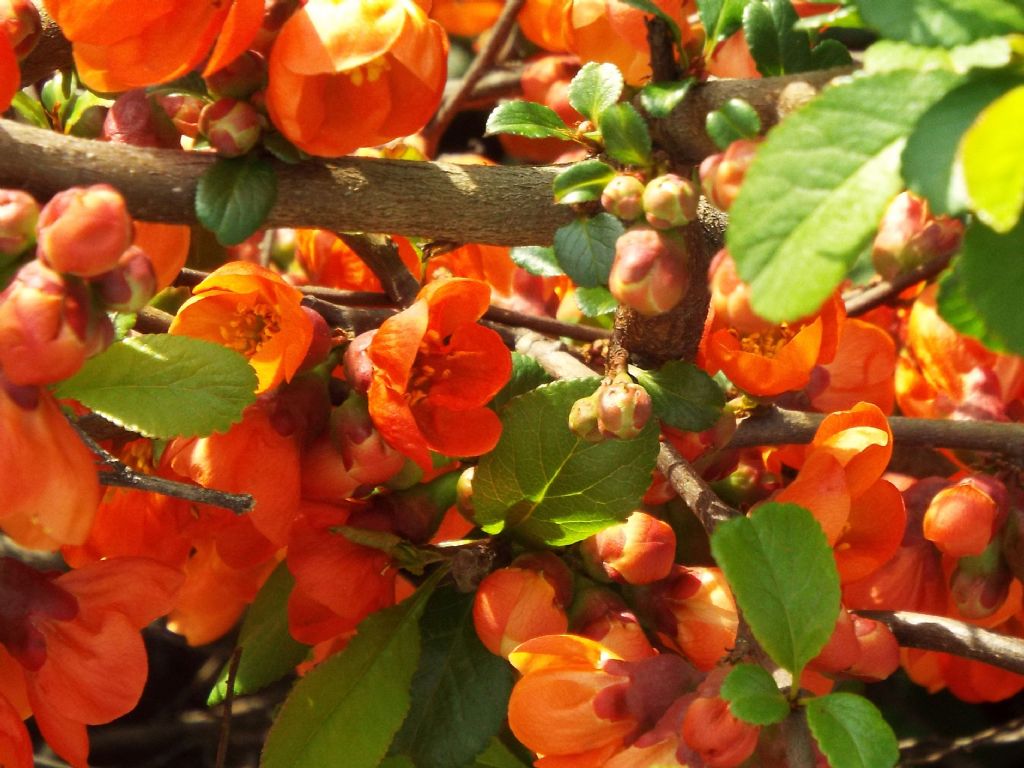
(821, 488)
(861, 440)
(393, 418)
(140, 588)
(167, 246)
(396, 344)
(862, 369)
(478, 366)
(10, 75)
(455, 302)
(65, 736)
(243, 21)
(15, 743)
(873, 534)
(472, 432)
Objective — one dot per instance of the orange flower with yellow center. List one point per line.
(253, 311)
(346, 74)
(434, 370)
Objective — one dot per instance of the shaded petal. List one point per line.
(874, 532)
(472, 432)
(478, 365)
(140, 588)
(393, 418)
(237, 32)
(820, 487)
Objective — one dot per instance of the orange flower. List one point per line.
(862, 369)
(466, 18)
(166, 245)
(15, 743)
(695, 613)
(491, 264)
(346, 74)
(75, 638)
(434, 369)
(10, 74)
(121, 44)
(545, 23)
(48, 477)
(252, 310)
(516, 604)
(327, 261)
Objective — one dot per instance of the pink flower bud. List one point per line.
(240, 78)
(183, 110)
(357, 364)
(670, 201)
(20, 20)
(232, 127)
(130, 285)
(650, 272)
(44, 323)
(84, 230)
(721, 175)
(133, 119)
(18, 215)
(623, 408)
(720, 739)
(622, 197)
(910, 235)
(638, 551)
(583, 419)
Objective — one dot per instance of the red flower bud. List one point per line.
(713, 732)
(232, 127)
(622, 197)
(670, 201)
(133, 119)
(368, 459)
(623, 408)
(84, 230)
(183, 110)
(130, 285)
(513, 605)
(358, 367)
(18, 215)
(961, 519)
(722, 175)
(322, 342)
(20, 20)
(650, 272)
(638, 551)
(879, 651)
(240, 78)
(910, 235)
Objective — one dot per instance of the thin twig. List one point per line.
(451, 104)
(229, 700)
(867, 298)
(693, 489)
(921, 752)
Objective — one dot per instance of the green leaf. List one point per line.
(753, 695)
(851, 732)
(930, 162)
(353, 703)
(497, 755)
(595, 88)
(165, 386)
(625, 134)
(778, 48)
(585, 248)
(648, 6)
(659, 99)
(459, 692)
(86, 118)
(527, 374)
(30, 110)
(845, 16)
(544, 483)
(268, 650)
(958, 310)
(990, 53)
(814, 195)
(526, 118)
(721, 18)
(582, 182)
(234, 196)
(784, 579)
(942, 22)
(993, 159)
(596, 301)
(991, 268)
(684, 396)
(537, 260)
(734, 120)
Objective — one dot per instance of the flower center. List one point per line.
(251, 326)
(768, 343)
(369, 72)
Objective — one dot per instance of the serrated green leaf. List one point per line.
(814, 195)
(269, 652)
(990, 53)
(778, 48)
(734, 120)
(80, 122)
(165, 386)
(659, 99)
(753, 695)
(544, 483)
(529, 119)
(585, 248)
(721, 18)
(784, 579)
(684, 396)
(234, 196)
(537, 260)
(959, 311)
(595, 301)
(459, 692)
(648, 6)
(851, 732)
(992, 154)
(942, 22)
(353, 703)
(625, 135)
(843, 17)
(930, 162)
(527, 374)
(582, 182)
(497, 755)
(595, 88)
(991, 267)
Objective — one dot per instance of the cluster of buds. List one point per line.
(667, 201)
(910, 235)
(52, 315)
(619, 408)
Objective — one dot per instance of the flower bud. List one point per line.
(357, 364)
(20, 20)
(368, 459)
(464, 494)
(638, 551)
(322, 342)
(721, 175)
(713, 732)
(879, 651)
(130, 285)
(44, 326)
(1013, 541)
(18, 215)
(601, 615)
(979, 585)
(670, 201)
(622, 197)
(84, 230)
(239, 79)
(513, 605)
(416, 512)
(650, 272)
(232, 127)
(133, 119)
(962, 519)
(583, 419)
(183, 110)
(623, 408)
(842, 649)
(910, 235)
